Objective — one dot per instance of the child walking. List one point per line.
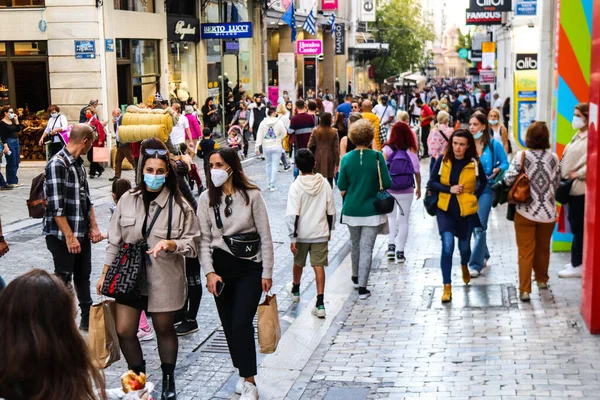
(310, 214)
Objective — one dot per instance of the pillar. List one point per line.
(328, 63)
(545, 62)
(590, 296)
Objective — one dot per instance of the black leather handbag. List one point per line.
(562, 191)
(384, 203)
(242, 245)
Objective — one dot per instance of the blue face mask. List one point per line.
(478, 135)
(11, 115)
(54, 115)
(154, 182)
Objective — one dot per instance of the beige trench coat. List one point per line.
(166, 284)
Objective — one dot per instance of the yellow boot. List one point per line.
(466, 274)
(447, 296)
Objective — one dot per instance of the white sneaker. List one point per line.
(570, 272)
(474, 273)
(249, 391)
(319, 311)
(524, 296)
(295, 297)
(272, 188)
(239, 386)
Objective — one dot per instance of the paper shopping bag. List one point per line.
(269, 331)
(103, 341)
(100, 154)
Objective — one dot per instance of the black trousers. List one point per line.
(576, 219)
(237, 306)
(424, 135)
(74, 267)
(55, 147)
(95, 168)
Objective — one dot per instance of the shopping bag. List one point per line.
(100, 154)
(103, 341)
(269, 331)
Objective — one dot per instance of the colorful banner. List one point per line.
(525, 103)
(273, 95)
(329, 5)
(309, 47)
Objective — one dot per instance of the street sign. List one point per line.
(85, 49)
(309, 47)
(487, 76)
(463, 53)
(340, 39)
(237, 30)
(109, 45)
(526, 61)
(526, 8)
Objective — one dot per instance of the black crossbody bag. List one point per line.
(124, 277)
(243, 245)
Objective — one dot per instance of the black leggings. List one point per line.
(194, 286)
(128, 319)
(576, 219)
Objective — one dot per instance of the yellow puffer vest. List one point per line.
(467, 201)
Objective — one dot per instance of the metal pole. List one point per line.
(222, 101)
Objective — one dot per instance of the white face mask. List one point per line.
(577, 122)
(219, 176)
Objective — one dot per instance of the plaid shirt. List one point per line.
(68, 195)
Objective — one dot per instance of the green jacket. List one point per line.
(358, 177)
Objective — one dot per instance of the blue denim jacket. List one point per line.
(500, 159)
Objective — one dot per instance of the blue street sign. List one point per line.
(526, 7)
(85, 49)
(237, 30)
(110, 45)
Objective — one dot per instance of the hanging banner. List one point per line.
(286, 66)
(310, 74)
(340, 39)
(329, 5)
(488, 55)
(483, 17)
(487, 77)
(367, 10)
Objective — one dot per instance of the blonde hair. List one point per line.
(443, 117)
(361, 132)
(499, 115)
(434, 102)
(402, 116)
(281, 110)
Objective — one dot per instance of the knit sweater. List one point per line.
(575, 159)
(252, 217)
(543, 170)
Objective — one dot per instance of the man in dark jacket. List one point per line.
(82, 117)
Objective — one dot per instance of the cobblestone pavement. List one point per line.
(401, 342)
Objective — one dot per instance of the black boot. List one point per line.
(138, 369)
(168, 383)
(84, 324)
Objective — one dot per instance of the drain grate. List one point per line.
(217, 343)
(475, 296)
(435, 262)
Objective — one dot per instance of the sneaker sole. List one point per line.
(295, 299)
(364, 296)
(188, 332)
(400, 261)
(317, 314)
(147, 338)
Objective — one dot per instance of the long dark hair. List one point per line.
(239, 180)
(171, 180)
(483, 120)
(340, 122)
(43, 355)
(401, 137)
(471, 152)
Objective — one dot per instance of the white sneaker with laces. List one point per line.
(570, 272)
(474, 273)
(249, 391)
(239, 386)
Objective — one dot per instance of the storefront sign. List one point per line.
(490, 5)
(367, 10)
(488, 55)
(109, 45)
(525, 8)
(309, 47)
(525, 102)
(286, 63)
(231, 46)
(487, 76)
(340, 39)
(183, 29)
(484, 17)
(85, 49)
(526, 62)
(329, 5)
(237, 30)
(310, 74)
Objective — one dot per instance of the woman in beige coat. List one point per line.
(325, 144)
(164, 285)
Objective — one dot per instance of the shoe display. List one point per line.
(466, 275)
(145, 335)
(249, 391)
(542, 285)
(363, 293)
(391, 252)
(447, 295)
(570, 272)
(294, 295)
(186, 327)
(524, 296)
(319, 311)
(474, 273)
(400, 259)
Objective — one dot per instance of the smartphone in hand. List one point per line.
(220, 287)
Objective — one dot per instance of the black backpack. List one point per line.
(36, 204)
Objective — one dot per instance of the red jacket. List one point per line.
(93, 122)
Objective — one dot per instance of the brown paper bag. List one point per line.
(100, 154)
(269, 331)
(102, 338)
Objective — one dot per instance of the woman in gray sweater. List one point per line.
(236, 253)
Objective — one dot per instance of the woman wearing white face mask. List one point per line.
(232, 211)
(56, 124)
(573, 166)
(497, 129)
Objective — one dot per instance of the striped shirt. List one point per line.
(301, 126)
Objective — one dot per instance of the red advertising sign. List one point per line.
(484, 17)
(329, 5)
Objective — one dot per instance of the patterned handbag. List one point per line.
(124, 277)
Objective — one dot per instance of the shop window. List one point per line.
(4, 92)
(22, 3)
(144, 56)
(182, 8)
(134, 5)
(30, 48)
(182, 70)
(2, 49)
(123, 48)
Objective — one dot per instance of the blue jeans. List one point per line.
(480, 248)
(12, 161)
(272, 157)
(464, 247)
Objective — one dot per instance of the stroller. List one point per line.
(235, 140)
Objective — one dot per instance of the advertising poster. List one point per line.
(287, 74)
(525, 103)
(274, 95)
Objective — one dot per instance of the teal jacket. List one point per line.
(358, 177)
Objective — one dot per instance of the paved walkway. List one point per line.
(401, 342)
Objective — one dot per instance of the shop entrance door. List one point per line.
(124, 84)
(31, 85)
